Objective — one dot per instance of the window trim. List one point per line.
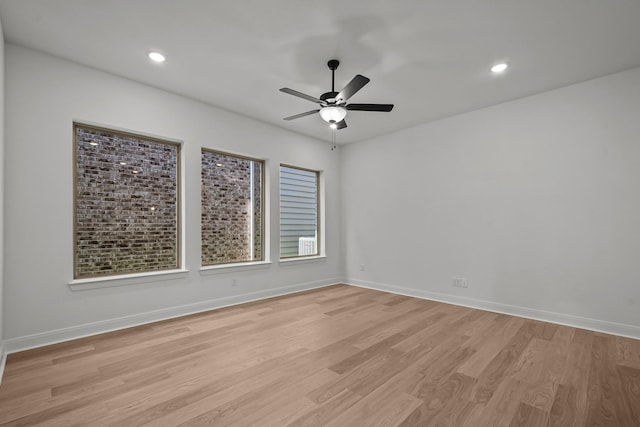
(236, 266)
(320, 253)
(180, 255)
(126, 279)
(263, 223)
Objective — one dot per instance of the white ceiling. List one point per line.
(430, 58)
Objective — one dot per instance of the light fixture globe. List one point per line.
(333, 114)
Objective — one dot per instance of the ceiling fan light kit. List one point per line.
(333, 105)
(332, 114)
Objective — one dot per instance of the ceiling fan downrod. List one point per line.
(333, 66)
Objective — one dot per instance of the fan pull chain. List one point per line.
(333, 139)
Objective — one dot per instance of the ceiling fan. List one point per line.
(333, 105)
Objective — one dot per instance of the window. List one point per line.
(232, 208)
(127, 215)
(298, 212)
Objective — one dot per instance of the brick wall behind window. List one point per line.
(227, 210)
(126, 222)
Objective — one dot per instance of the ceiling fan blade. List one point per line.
(354, 85)
(297, 116)
(370, 107)
(302, 95)
(341, 124)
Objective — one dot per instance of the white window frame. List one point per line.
(253, 263)
(82, 282)
(319, 211)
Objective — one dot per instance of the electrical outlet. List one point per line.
(460, 282)
(362, 267)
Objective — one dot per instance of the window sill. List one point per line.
(125, 279)
(302, 260)
(226, 268)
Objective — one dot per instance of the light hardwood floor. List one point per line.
(337, 356)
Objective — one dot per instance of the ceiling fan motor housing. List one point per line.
(329, 97)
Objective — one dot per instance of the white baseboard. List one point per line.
(3, 360)
(13, 345)
(620, 329)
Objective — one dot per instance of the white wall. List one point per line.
(536, 202)
(1, 191)
(45, 95)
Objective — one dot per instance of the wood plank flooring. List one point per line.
(336, 356)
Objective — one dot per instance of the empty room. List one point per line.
(294, 213)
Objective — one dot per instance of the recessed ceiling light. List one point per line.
(135, 171)
(498, 68)
(123, 163)
(219, 164)
(156, 57)
(93, 143)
